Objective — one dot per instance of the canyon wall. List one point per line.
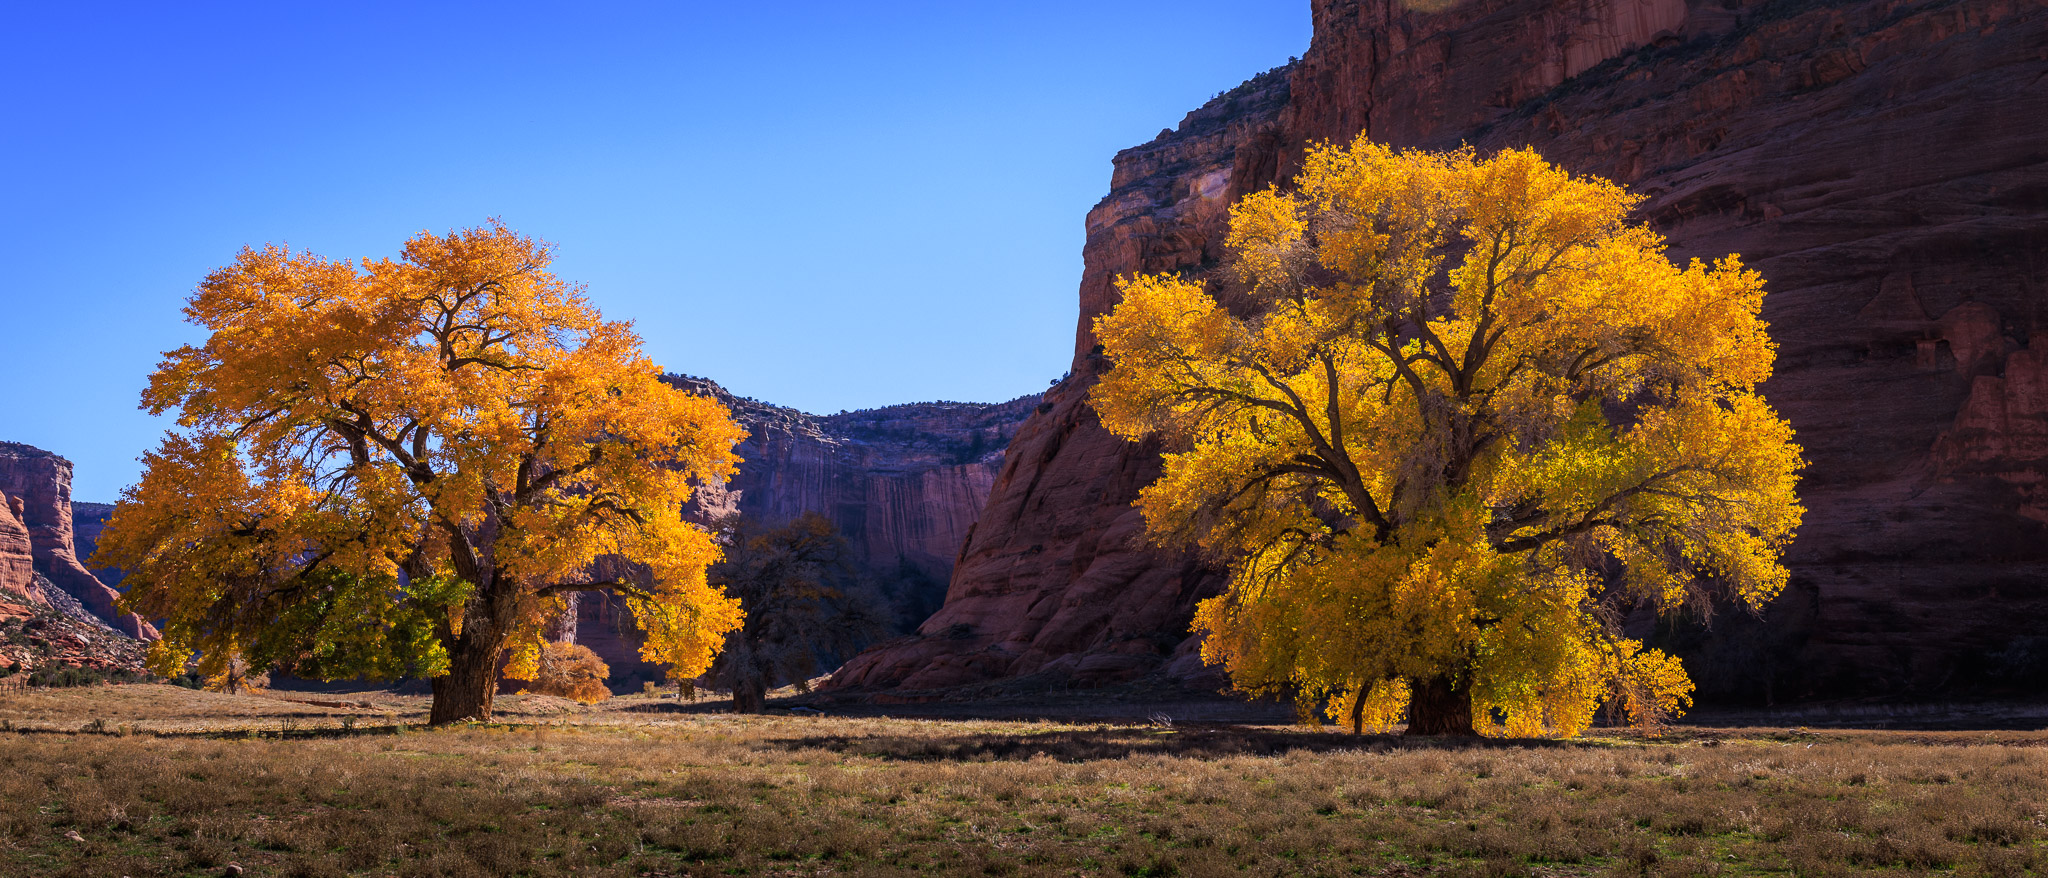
(904, 484)
(37, 485)
(87, 521)
(1883, 163)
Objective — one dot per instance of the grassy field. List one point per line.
(153, 780)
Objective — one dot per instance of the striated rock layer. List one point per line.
(41, 483)
(1883, 163)
(904, 483)
(19, 596)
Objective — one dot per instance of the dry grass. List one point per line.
(173, 710)
(625, 792)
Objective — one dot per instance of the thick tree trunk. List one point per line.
(465, 693)
(1358, 710)
(1441, 706)
(750, 696)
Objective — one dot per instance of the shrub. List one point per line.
(572, 671)
(67, 676)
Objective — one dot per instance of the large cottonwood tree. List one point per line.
(402, 466)
(1453, 418)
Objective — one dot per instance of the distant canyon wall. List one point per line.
(1884, 165)
(35, 488)
(904, 484)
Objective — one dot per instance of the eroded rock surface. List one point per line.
(42, 482)
(56, 632)
(1884, 164)
(904, 484)
(18, 595)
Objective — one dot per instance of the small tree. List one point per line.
(572, 671)
(1456, 415)
(802, 602)
(401, 467)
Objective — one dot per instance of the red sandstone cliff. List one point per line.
(1883, 163)
(41, 482)
(18, 594)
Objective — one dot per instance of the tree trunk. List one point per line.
(466, 691)
(750, 695)
(1441, 706)
(1358, 710)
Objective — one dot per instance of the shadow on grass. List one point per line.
(273, 731)
(1117, 743)
(703, 706)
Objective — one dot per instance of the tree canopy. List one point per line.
(401, 466)
(1446, 420)
(803, 602)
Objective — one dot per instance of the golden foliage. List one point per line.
(400, 466)
(1454, 416)
(1384, 704)
(571, 671)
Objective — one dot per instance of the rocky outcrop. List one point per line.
(58, 632)
(904, 484)
(2002, 429)
(18, 594)
(1881, 162)
(41, 481)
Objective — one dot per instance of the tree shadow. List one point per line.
(1083, 745)
(671, 707)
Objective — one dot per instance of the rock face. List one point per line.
(41, 481)
(904, 484)
(59, 632)
(1882, 162)
(18, 594)
(87, 521)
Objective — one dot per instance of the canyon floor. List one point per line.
(155, 780)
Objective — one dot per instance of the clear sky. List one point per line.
(826, 205)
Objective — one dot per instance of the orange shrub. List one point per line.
(572, 671)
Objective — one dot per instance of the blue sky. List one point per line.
(823, 205)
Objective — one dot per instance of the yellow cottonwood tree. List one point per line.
(402, 466)
(1455, 416)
